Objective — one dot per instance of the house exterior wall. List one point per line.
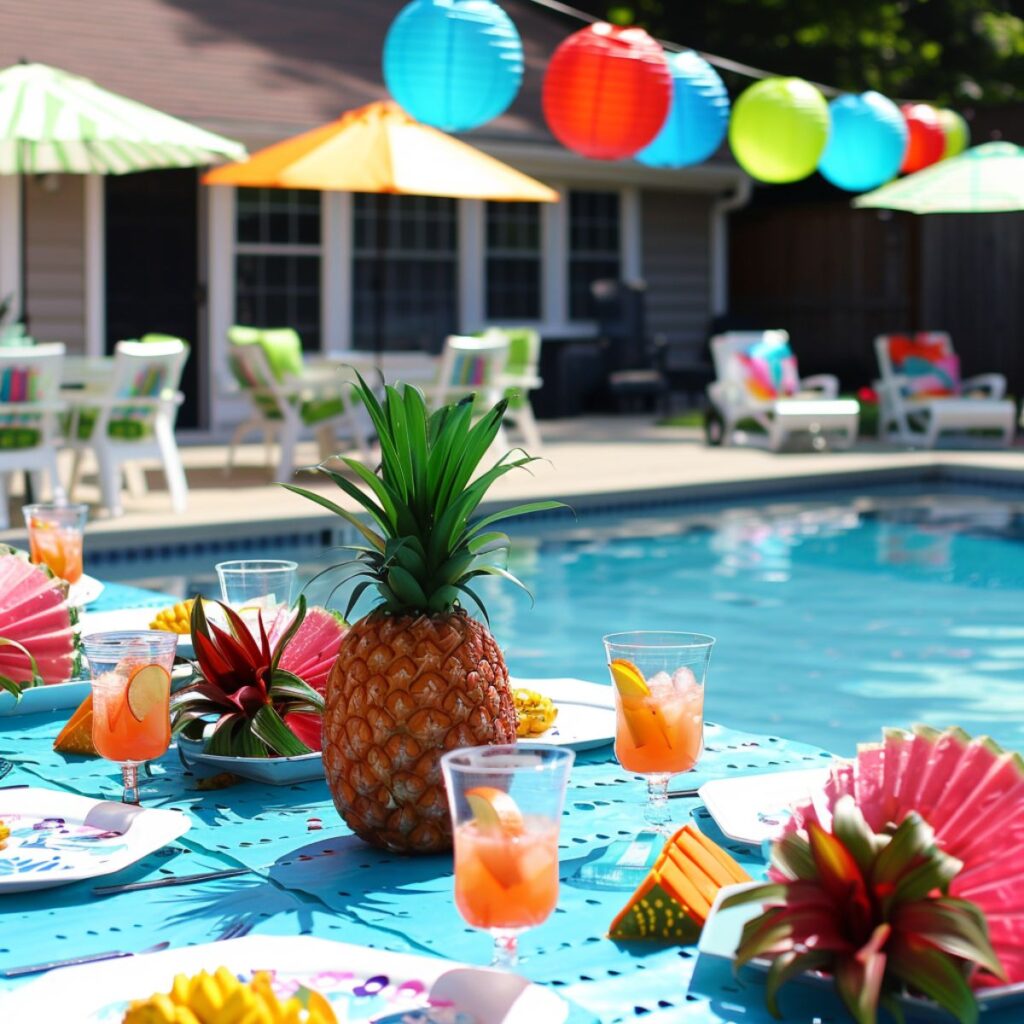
(55, 212)
(675, 228)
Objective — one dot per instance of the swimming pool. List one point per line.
(834, 616)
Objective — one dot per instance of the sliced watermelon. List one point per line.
(1002, 778)
(311, 653)
(948, 749)
(34, 612)
(972, 767)
(869, 790)
(307, 727)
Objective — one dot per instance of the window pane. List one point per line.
(278, 216)
(279, 291)
(405, 290)
(593, 247)
(513, 266)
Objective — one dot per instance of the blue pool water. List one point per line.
(833, 617)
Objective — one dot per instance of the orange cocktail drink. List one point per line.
(506, 806)
(55, 538)
(506, 880)
(131, 691)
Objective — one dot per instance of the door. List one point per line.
(152, 265)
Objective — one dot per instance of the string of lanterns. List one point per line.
(612, 92)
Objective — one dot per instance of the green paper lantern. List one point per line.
(958, 134)
(779, 129)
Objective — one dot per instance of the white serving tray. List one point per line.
(753, 808)
(99, 993)
(58, 838)
(274, 771)
(586, 712)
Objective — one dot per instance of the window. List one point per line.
(277, 260)
(593, 247)
(513, 261)
(408, 246)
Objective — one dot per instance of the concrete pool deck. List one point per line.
(589, 462)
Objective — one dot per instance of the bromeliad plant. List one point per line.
(259, 706)
(872, 910)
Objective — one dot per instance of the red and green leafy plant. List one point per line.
(255, 702)
(872, 910)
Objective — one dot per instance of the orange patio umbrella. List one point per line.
(380, 149)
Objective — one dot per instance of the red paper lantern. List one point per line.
(926, 140)
(607, 91)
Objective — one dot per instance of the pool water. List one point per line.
(833, 617)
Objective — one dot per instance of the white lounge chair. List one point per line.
(30, 409)
(472, 366)
(521, 376)
(757, 379)
(921, 395)
(131, 420)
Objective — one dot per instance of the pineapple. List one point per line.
(417, 676)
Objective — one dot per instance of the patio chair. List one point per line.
(921, 395)
(30, 409)
(757, 380)
(521, 376)
(472, 366)
(131, 420)
(287, 397)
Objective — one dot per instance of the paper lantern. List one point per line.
(607, 91)
(698, 117)
(956, 132)
(453, 64)
(867, 142)
(926, 140)
(779, 129)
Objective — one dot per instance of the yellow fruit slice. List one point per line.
(147, 689)
(628, 679)
(495, 809)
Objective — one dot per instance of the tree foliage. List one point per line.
(954, 52)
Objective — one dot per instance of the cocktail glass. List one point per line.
(658, 679)
(506, 804)
(257, 585)
(131, 690)
(55, 537)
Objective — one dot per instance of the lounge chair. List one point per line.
(921, 395)
(757, 380)
(472, 366)
(30, 409)
(287, 396)
(131, 420)
(521, 376)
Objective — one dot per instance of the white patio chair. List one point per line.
(131, 420)
(30, 410)
(920, 395)
(472, 366)
(521, 376)
(757, 379)
(288, 397)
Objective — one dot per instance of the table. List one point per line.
(312, 877)
(412, 366)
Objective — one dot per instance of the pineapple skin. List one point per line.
(404, 690)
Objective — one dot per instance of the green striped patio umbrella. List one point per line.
(55, 122)
(984, 179)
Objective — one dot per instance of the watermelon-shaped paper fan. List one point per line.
(971, 792)
(34, 615)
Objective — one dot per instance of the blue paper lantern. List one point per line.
(698, 118)
(453, 64)
(867, 144)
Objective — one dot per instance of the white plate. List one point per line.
(84, 591)
(586, 712)
(57, 838)
(275, 771)
(721, 936)
(99, 993)
(128, 618)
(753, 808)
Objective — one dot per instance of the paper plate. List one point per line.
(84, 591)
(57, 838)
(361, 984)
(586, 712)
(753, 808)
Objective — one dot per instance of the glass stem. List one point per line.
(656, 813)
(506, 950)
(130, 778)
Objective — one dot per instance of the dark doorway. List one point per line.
(152, 265)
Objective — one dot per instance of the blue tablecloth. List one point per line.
(311, 876)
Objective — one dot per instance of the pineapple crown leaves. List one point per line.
(871, 909)
(244, 688)
(422, 550)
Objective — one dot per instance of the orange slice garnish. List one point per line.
(495, 809)
(628, 679)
